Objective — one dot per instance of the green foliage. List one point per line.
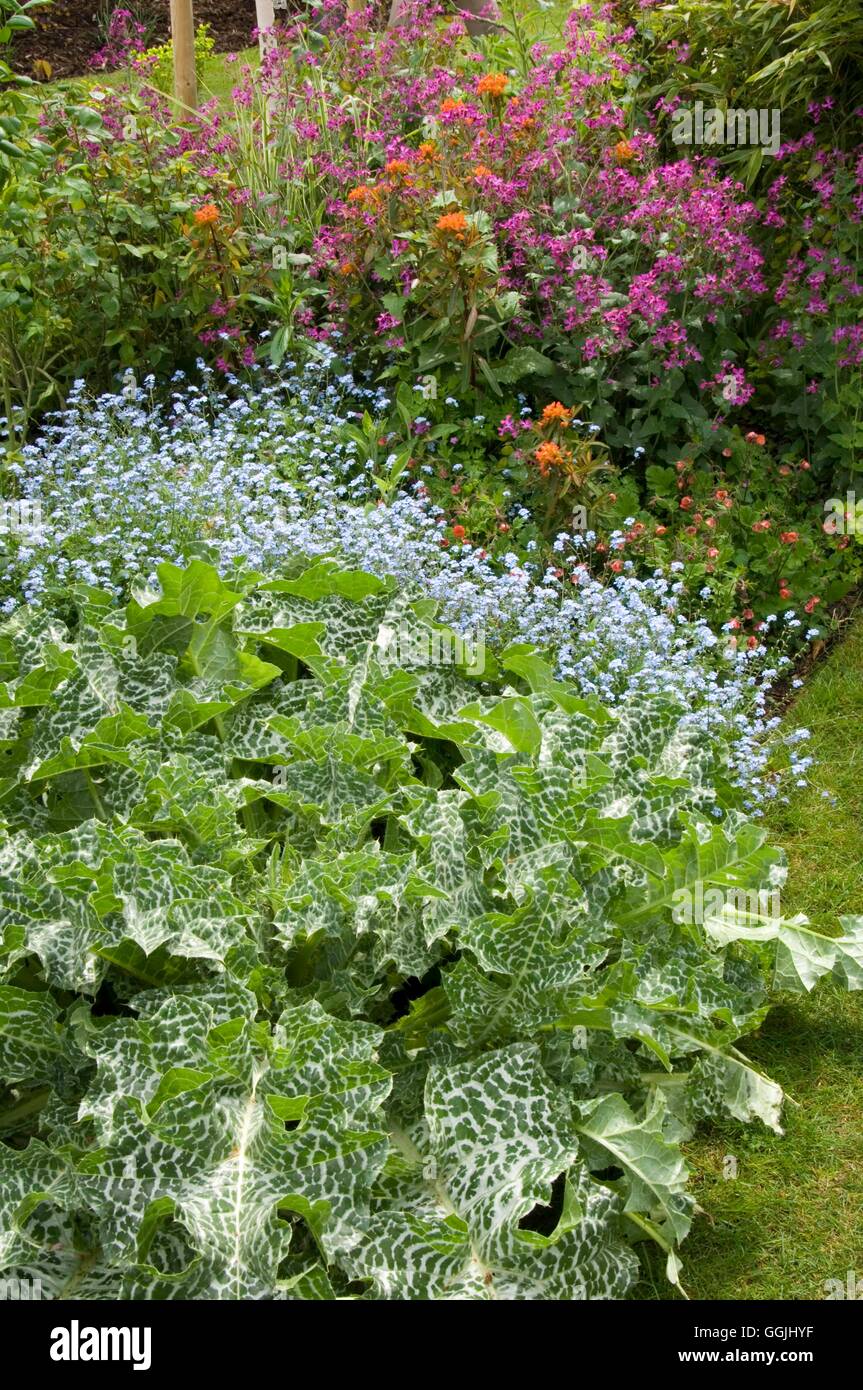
(102, 249)
(816, 346)
(757, 53)
(326, 975)
(14, 19)
(158, 62)
(754, 530)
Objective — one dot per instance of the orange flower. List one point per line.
(207, 215)
(549, 456)
(556, 414)
(398, 168)
(454, 223)
(624, 151)
(494, 84)
(364, 194)
(450, 106)
(482, 171)
(459, 532)
(428, 151)
(347, 268)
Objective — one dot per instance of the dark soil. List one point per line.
(69, 32)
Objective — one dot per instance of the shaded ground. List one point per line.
(69, 32)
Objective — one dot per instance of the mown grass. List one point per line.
(217, 79)
(793, 1216)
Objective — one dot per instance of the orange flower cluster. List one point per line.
(451, 106)
(556, 414)
(482, 171)
(365, 195)
(398, 168)
(453, 224)
(550, 456)
(624, 151)
(207, 216)
(428, 151)
(494, 84)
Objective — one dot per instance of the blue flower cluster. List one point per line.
(123, 482)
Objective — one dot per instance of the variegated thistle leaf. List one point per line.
(453, 1220)
(234, 1134)
(337, 964)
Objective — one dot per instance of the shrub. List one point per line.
(114, 244)
(756, 54)
(157, 63)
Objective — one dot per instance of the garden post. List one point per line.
(183, 40)
(266, 18)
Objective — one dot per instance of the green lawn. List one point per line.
(793, 1217)
(220, 77)
(216, 80)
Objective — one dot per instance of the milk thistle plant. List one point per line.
(221, 811)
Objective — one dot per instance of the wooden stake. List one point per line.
(266, 18)
(183, 39)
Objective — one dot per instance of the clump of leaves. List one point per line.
(330, 972)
